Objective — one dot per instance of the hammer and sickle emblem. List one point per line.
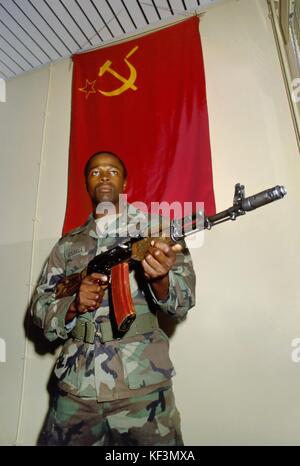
(127, 83)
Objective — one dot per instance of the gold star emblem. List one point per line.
(89, 88)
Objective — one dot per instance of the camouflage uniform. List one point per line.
(120, 372)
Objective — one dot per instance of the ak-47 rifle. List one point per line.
(114, 262)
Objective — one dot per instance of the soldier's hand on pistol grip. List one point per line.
(91, 292)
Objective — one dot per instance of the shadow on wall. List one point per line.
(42, 347)
(36, 335)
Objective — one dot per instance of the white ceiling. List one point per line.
(36, 32)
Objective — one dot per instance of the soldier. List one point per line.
(112, 391)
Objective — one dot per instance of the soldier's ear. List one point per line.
(125, 185)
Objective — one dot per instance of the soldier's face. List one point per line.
(105, 179)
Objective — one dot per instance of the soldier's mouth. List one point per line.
(104, 188)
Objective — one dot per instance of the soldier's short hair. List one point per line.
(104, 152)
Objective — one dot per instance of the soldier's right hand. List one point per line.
(91, 292)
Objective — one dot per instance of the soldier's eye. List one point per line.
(114, 172)
(95, 173)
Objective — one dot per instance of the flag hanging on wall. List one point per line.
(145, 100)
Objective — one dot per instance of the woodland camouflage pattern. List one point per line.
(119, 369)
(146, 420)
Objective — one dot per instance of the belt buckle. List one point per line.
(98, 333)
(89, 336)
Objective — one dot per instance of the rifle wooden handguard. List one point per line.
(140, 248)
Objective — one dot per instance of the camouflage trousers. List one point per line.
(148, 420)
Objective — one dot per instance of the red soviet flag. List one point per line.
(144, 100)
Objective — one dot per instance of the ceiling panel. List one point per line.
(36, 32)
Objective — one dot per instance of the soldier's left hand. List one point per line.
(159, 259)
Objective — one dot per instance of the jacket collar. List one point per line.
(129, 215)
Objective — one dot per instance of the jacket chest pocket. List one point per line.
(77, 262)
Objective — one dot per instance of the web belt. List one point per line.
(86, 331)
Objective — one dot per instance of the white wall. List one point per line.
(21, 125)
(236, 382)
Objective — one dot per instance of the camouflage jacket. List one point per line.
(120, 368)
